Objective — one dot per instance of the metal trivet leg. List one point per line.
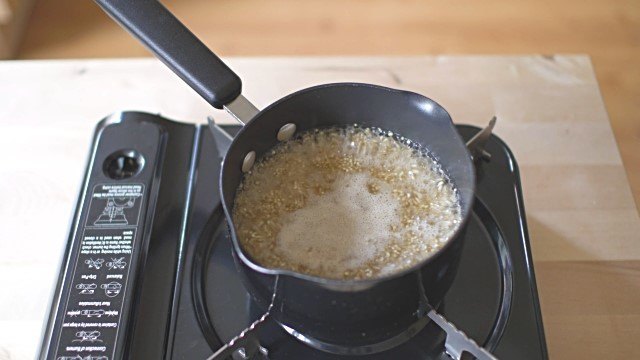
(457, 341)
(478, 141)
(246, 345)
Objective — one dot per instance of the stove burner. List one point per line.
(361, 349)
(484, 277)
(493, 298)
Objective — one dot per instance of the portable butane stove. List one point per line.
(148, 271)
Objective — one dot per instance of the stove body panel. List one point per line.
(161, 319)
(115, 292)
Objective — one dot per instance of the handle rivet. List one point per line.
(286, 132)
(248, 161)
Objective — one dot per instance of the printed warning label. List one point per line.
(115, 205)
(93, 312)
(107, 241)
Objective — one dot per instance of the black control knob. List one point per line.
(123, 164)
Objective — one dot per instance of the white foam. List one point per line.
(341, 229)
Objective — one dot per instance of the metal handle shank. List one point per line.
(177, 47)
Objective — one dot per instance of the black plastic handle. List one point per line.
(151, 23)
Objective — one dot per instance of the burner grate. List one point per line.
(489, 286)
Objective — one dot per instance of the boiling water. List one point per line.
(348, 203)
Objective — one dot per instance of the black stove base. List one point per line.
(182, 297)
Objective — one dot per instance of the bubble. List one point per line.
(346, 203)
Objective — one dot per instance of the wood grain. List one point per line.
(14, 16)
(607, 30)
(583, 223)
(590, 308)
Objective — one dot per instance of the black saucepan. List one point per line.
(334, 315)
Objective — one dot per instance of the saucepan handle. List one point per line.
(177, 47)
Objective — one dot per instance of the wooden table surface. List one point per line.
(584, 226)
(607, 30)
